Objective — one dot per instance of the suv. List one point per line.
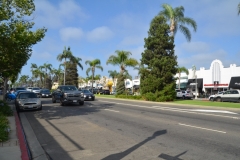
(212, 96)
(184, 94)
(229, 96)
(68, 94)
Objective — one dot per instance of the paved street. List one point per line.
(119, 129)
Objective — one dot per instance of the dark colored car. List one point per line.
(105, 91)
(27, 101)
(88, 95)
(20, 88)
(45, 93)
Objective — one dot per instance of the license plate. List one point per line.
(30, 106)
(74, 100)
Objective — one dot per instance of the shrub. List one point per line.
(3, 128)
(5, 109)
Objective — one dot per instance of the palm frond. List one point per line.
(186, 32)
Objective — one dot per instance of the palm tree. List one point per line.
(114, 75)
(47, 67)
(76, 60)
(179, 71)
(67, 54)
(123, 60)
(96, 63)
(23, 79)
(177, 20)
(38, 73)
(239, 9)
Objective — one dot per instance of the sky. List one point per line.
(95, 29)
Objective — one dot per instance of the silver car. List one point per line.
(28, 101)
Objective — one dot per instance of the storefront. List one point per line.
(216, 78)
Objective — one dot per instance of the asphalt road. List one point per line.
(110, 129)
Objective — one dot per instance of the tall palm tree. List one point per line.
(178, 20)
(33, 67)
(179, 71)
(47, 67)
(114, 75)
(23, 79)
(123, 60)
(38, 73)
(96, 63)
(76, 60)
(57, 73)
(67, 54)
(239, 9)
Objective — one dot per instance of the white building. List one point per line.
(216, 78)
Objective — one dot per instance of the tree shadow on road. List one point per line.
(128, 151)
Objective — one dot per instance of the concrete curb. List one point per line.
(23, 145)
(36, 149)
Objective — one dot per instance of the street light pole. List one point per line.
(195, 86)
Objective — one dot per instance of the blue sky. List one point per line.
(97, 28)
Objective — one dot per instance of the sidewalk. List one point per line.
(15, 148)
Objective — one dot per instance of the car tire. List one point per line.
(183, 97)
(93, 99)
(81, 103)
(61, 102)
(53, 100)
(211, 99)
(40, 108)
(219, 99)
(18, 109)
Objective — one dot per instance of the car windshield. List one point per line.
(86, 91)
(69, 88)
(27, 95)
(45, 91)
(20, 88)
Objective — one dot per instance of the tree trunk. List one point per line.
(179, 75)
(92, 78)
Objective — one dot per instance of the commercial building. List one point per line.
(210, 81)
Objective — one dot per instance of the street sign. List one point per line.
(9, 82)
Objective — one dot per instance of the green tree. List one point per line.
(57, 74)
(157, 79)
(67, 54)
(123, 60)
(238, 8)
(71, 73)
(177, 20)
(179, 71)
(16, 36)
(23, 80)
(47, 67)
(96, 63)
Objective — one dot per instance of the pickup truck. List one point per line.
(67, 94)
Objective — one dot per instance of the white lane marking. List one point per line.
(213, 111)
(111, 110)
(175, 110)
(202, 128)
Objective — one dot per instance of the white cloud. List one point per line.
(71, 33)
(99, 34)
(53, 16)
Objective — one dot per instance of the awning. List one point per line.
(192, 83)
(234, 83)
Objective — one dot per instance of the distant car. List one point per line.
(29, 89)
(45, 93)
(211, 98)
(106, 91)
(20, 88)
(36, 90)
(19, 91)
(228, 96)
(88, 95)
(27, 101)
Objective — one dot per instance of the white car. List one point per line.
(211, 98)
(184, 94)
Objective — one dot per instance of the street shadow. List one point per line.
(52, 111)
(133, 148)
(168, 157)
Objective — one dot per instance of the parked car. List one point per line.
(45, 93)
(184, 94)
(210, 98)
(27, 101)
(29, 89)
(19, 88)
(104, 91)
(228, 96)
(19, 91)
(88, 95)
(36, 90)
(68, 94)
